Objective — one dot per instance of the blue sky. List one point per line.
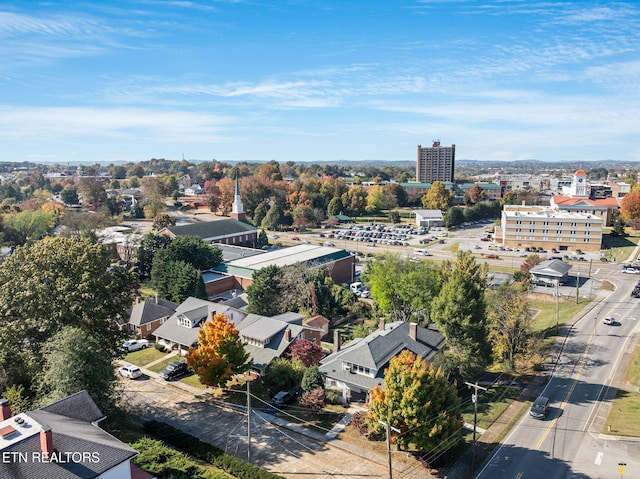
(302, 80)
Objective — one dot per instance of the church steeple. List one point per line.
(237, 210)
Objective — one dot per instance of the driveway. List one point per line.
(273, 447)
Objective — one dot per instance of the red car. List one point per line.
(295, 238)
(485, 239)
(493, 256)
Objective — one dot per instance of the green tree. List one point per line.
(75, 360)
(54, 283)
(403, 288)
(29, 225)
(355, 200)
(335, 206)
(192, 250)
(220, 353)
(454, 216)
(283, 374)
(274, 218)
(312, 379)
(459, 310)
(394, 217)
(618, 227)
(419, 401)
(437, 197)
(69, 196)
(150, 244)
(264, 293)
(177, 280)
(262, 240)
(509, 323)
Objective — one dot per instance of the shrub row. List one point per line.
(206, 452)
(164, 462)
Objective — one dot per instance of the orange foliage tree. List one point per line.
(630, 207)
(220, 353)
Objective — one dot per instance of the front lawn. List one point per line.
(142, 357)
(491, 404)
(624, 417)
(156, 368)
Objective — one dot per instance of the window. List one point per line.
(148, 326)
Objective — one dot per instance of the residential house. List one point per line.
(358, 367)
(147, 316)
(266, 338)
(61, 440)
(181, 329)
(319, 322)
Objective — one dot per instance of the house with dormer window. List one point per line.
(181, 329)
(266, 338)
(355, 369)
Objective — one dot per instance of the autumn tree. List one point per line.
(459, 310)
(220, 353)
(418, 400)
(314, 400)
(308, 352)
(630, 207)
(163, 220)
(402, 288)
(476, 194)
(213, 195)
(437, 197)
(380, 198)
(227, 188)
(509, 323)
(355, 201)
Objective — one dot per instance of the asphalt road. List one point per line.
(273, 448)
(569, 444)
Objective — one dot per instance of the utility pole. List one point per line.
(474, 398)
(557, 304)
(388, 428)
(248, 421)
(578, 288)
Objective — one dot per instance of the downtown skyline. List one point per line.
(332, 81)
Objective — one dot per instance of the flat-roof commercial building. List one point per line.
(547, 228)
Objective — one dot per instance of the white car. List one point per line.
(609, 320)
(130, 371)
(631, 270)
(134, 345)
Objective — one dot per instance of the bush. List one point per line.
(359, 421)
(332, 396)
(161, 348)
(166, 463)
(206, 452)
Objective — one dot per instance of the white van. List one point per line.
(422, 252)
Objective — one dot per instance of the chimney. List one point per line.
(413, 331)
(337, 342)
(287, 335)
(46, 441)
(156, 299)
(381, 324)
(5, 409)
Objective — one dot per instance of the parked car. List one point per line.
(134, 345)
(365, 293)
(130, 371)
(609, 320)
(283, 398)
(174, 370)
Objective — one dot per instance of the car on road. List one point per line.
(329, 243)
(493, 256)
(630, 270)
(134, 345)
(295, 238)
(609, 320)
(540, 407)
(130, 371)
(283, 398)
(174, 370)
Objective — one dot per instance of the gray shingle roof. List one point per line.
(72, 433)
(148, 311)
(552, 267)
(210, 230)
(376, 350)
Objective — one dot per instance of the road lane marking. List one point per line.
(581, 363)
(598, 460)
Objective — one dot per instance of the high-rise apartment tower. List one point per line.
(435, 163)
